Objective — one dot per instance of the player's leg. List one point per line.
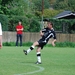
(17, 39)
(38, 53)
(20, 39)
(0, 41)
(40, 46)
(31, 48)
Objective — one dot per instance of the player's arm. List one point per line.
(17, 29)
(54, 39)
(53, 42)
(41, 33)
(21, 29)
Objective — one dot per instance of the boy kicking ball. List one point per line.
(46, 34)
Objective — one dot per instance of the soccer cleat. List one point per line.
(38, 62)
(25, 52)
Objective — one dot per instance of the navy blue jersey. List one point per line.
(48, 34)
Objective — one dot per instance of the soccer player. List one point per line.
(46, 34)
(19, 29)
(0, 36)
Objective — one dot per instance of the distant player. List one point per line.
(46, 34)
(0, 36)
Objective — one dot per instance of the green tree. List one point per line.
(4, 2)
(3, 7)
(71, 5)
(50, 13)
(64, 4)
(17, 7)
(59, 4)
(4, 22)
(38, 4)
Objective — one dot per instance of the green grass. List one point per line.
(55, 61)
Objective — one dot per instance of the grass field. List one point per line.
(55, 61)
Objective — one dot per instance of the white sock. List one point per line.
(39, 56)
(30, 49)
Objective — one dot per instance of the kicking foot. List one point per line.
(38, 62)
(25, 52)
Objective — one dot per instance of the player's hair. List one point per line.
(50, 23)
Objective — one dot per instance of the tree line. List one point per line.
(30, 12)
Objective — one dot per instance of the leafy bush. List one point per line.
(27, 44)
(9, 44)
(13, 44)
(65, 44)
(58, 44)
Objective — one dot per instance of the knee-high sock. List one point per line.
(31, 48)
(39, 56)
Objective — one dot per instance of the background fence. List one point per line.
(32, 37)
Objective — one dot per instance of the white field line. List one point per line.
(32, 72)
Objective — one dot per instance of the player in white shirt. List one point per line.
(0, 36)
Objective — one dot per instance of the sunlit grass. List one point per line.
(55, 61)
